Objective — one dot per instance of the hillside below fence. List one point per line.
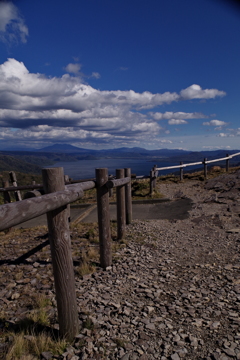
(54, 204)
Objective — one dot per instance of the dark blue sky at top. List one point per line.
(154, 46)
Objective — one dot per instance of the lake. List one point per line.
(85, 169)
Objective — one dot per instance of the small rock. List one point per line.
(46, 355)
(175, 356)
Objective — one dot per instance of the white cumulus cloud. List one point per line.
(73, 68)
(65, 106)
(177, 122)
(12, 26)
(196, 92)
(176, 115)
(215, 123)
(95, 75)
(165, 141)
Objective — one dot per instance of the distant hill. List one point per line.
(32, 162)
(117, 152)
(10, 163)
(63, 148)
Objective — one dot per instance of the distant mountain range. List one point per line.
(135, 151)
(33, 160)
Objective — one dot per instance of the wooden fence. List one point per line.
(155, 169)
(54, 204)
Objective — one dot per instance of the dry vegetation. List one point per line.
(34, 330)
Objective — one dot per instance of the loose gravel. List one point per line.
(173, 292)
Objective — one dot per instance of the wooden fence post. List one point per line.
(13, 179)
(151, 182)
(181, 171)
(66, 180)
(121, 211)
(155, 178)
(227, 164)
(103, 218)
(6, 197)
(205, 168)
(60, 243)
(128, 197)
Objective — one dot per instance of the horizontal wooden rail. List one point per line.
(197, 163)
(15, 213)
(142, 177)
(221, 159)
(179, 166)
(23, 187)
(117, 182)
(85, 180)
(235, 154)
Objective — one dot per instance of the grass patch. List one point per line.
(88, 324)
(85, 269)
(30, 344)
(28, 338)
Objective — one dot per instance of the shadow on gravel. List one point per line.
(172, 210)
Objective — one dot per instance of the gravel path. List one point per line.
(173, 291)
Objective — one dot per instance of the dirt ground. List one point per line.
(173, 291)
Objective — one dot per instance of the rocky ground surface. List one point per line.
(173, 291)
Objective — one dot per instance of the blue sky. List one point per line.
(105, 74)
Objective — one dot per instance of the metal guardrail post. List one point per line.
(121, 211)
(103, 218)
(60, 243)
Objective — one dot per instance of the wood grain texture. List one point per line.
(19, 212)
(117, 182)
(181, 171)
(151, 182)
(103, 218)
(121, 210)
(17, 193)
(155, 176)
(227, 163)
(60, 243)
(205, 167)
(128, 196)
(6, 195)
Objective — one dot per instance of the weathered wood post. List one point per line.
(128, 197)
(155, 177)
(66, 180)
(121, 211)
(181, 171)
(13, 179)
(151, 182)
(110, 191)
(227, 164)
(6, 197)
(60, 243)
(103, 218)
(205, 167)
